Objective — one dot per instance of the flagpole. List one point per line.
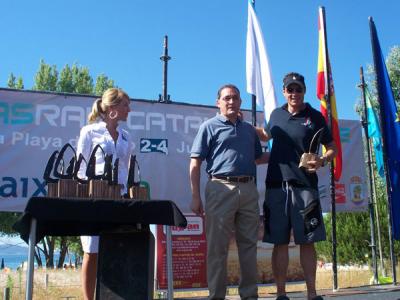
(253, 97)
(332, 167)
(371, 199)
(378, 222)
(253, 110)
(165, 98)
(382, 120)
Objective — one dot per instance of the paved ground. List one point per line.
(381, 292)
(371, 292)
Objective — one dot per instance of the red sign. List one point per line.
(340, 193)
(189, 253)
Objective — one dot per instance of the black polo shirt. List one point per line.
(292, 135)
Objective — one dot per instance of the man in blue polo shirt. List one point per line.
(230, 148)
(291, 198)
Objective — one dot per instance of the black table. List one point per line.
(82, 216)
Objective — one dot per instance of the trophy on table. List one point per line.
(52, 183)
(98, 187)
(66, 183)
(82, 187)
(136, 190)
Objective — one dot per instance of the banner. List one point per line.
(34, 124)
(351, 191)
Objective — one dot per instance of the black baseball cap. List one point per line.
(294, 78)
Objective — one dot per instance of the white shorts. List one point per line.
(90, 244)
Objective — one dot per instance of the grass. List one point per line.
(61, 284)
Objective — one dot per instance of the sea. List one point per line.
(13, 261)
(20, 256)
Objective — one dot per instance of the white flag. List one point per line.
(258, 70)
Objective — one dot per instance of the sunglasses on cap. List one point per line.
(294, 89)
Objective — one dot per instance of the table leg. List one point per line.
(31, 267)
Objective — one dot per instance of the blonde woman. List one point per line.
(107, 112)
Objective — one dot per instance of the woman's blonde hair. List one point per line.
(110, 97)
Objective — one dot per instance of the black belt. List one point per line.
(242, 179)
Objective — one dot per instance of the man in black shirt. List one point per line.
(292, 199)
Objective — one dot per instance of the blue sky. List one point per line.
(123, 39)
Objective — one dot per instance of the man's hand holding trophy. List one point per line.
(311, 161)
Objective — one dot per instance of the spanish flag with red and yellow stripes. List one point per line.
(326, 92)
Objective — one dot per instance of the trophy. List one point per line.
(98, 188)
(136, 190)
(311, 155)
(52, 183)
(66, 184)
(82, 188)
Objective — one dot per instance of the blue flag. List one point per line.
(390, 131)
(374, 134)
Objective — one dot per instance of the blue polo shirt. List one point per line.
(292, 135)
(229, 149)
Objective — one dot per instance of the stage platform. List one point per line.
(381, 292)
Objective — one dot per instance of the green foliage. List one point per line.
(46, 77)
(19, 270)
(10, 284)
(20, 83)
(14, 83)
(65, 83)
(81, 79)
(11, 81)
(102, 83)
(75, 79)
(7, 220)
(393, 66)
(75, 246)
(353, 236)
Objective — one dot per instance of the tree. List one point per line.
(14, 83)
(46, 78)
(82, 81)
(102, 83)
(75, 79)
(7, 220)
(353, 238)
(393, 66)
(20, 83)
(65, 83)
(11, 81)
